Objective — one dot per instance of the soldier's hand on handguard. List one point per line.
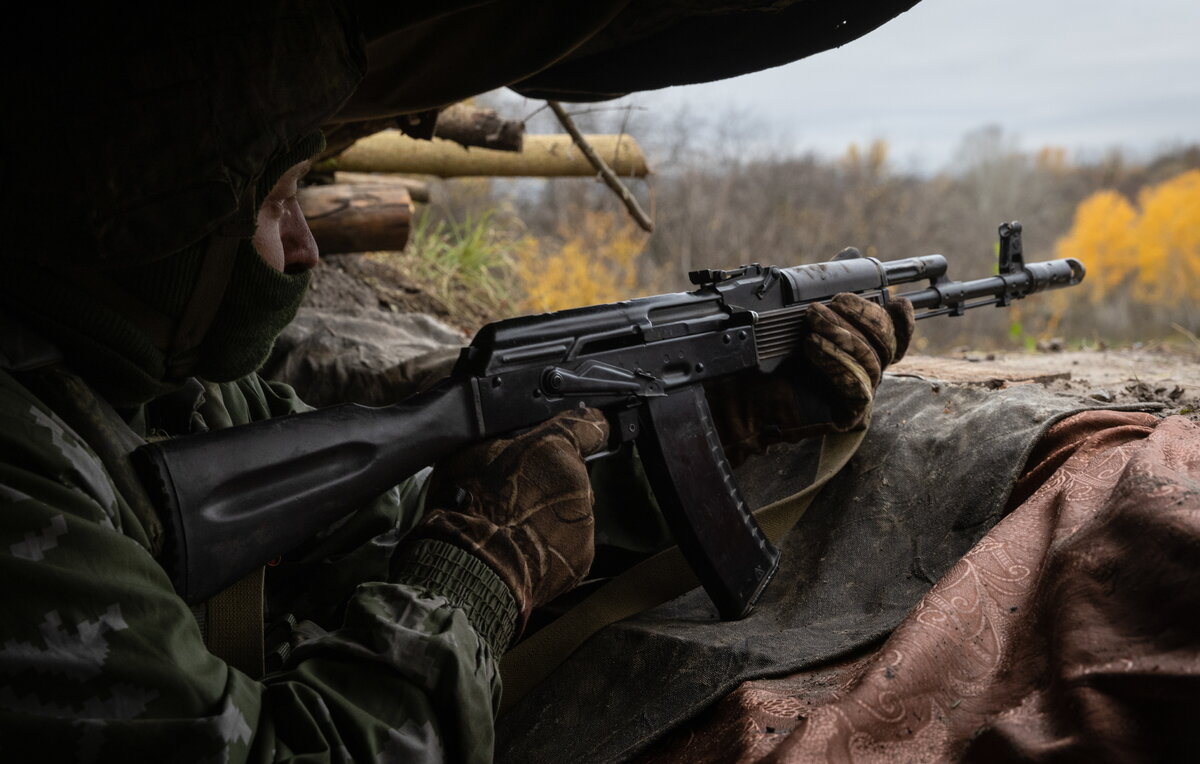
(522, 507)
(850, 342)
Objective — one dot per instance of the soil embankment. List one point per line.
(1123, 375)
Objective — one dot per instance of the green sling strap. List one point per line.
(651, 582)
(234, 624)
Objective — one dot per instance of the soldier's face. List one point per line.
(281, 235)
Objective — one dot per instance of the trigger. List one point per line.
(622, 428)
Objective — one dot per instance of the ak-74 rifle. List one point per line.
(232, 499)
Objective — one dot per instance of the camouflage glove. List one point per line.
(520, 505)
(850, 342)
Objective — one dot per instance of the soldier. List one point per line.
(139, 298)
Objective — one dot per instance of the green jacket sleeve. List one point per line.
(100, 660)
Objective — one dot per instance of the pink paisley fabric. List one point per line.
(1070, 632)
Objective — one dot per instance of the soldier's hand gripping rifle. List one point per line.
(232, 499)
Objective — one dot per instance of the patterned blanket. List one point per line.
(1070, 631)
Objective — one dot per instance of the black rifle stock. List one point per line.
(235, 498)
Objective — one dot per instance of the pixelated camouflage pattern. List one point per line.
(101, 661)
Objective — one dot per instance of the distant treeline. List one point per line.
(742, 203)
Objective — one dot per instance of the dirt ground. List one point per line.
(1118, 375)
(350, 284)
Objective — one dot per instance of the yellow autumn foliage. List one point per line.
(1168, 242)
(594, 261)
(1151, 250)
(1102, 238)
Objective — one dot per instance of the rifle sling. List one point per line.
(234, 624)
(651, 582)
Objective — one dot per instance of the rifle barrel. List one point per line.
(954, 297)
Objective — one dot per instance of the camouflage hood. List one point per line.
(138, 131)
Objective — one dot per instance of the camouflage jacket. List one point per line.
(101, 660)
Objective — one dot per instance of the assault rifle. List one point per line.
(232, 499)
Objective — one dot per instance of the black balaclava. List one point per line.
(105, 322)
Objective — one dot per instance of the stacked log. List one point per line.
(462, 123)
(417, 189)
(368, 207)
(472, 126)
(543, 156)
(357, 217)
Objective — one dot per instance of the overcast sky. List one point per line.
(1080, 74)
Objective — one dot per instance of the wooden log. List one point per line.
(338, 138)
(462, 123)
(544, 156)
(417, 189)
(476, 126)
(357, 218)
